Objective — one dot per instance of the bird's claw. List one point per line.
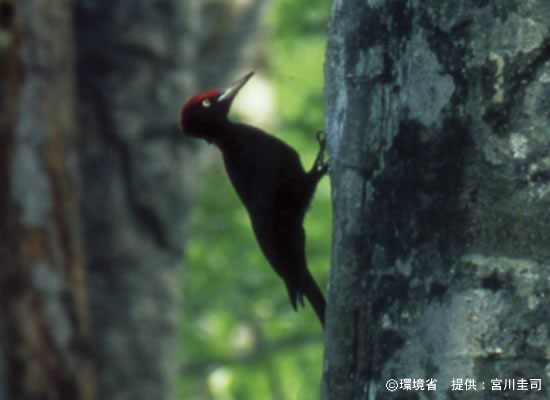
(321, 138)
(320, 164)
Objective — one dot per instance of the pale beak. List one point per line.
(229, 94)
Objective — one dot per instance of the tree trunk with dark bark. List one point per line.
(138, 62)
(437, 120)
(44, 337)
(135, 68)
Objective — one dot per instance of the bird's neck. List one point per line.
(228, 135)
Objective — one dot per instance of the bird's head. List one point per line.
(204, 113)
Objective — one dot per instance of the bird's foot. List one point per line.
(320, 165)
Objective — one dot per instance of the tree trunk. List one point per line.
(138, 62)
(45, 351)
(134, 70)
(437, 120)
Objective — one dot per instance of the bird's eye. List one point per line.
(206, 103)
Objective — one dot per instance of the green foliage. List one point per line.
(292, 21)
(241, 339)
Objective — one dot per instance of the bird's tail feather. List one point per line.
(309, 289)
(314, 295)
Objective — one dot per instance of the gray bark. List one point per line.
(138, 62)
(437, 120)
(135, 64)
(43, 312)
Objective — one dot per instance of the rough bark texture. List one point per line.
(437, 119)
(134, 71)
(44, 322)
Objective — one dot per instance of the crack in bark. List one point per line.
(517, 77)
(145, 216)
